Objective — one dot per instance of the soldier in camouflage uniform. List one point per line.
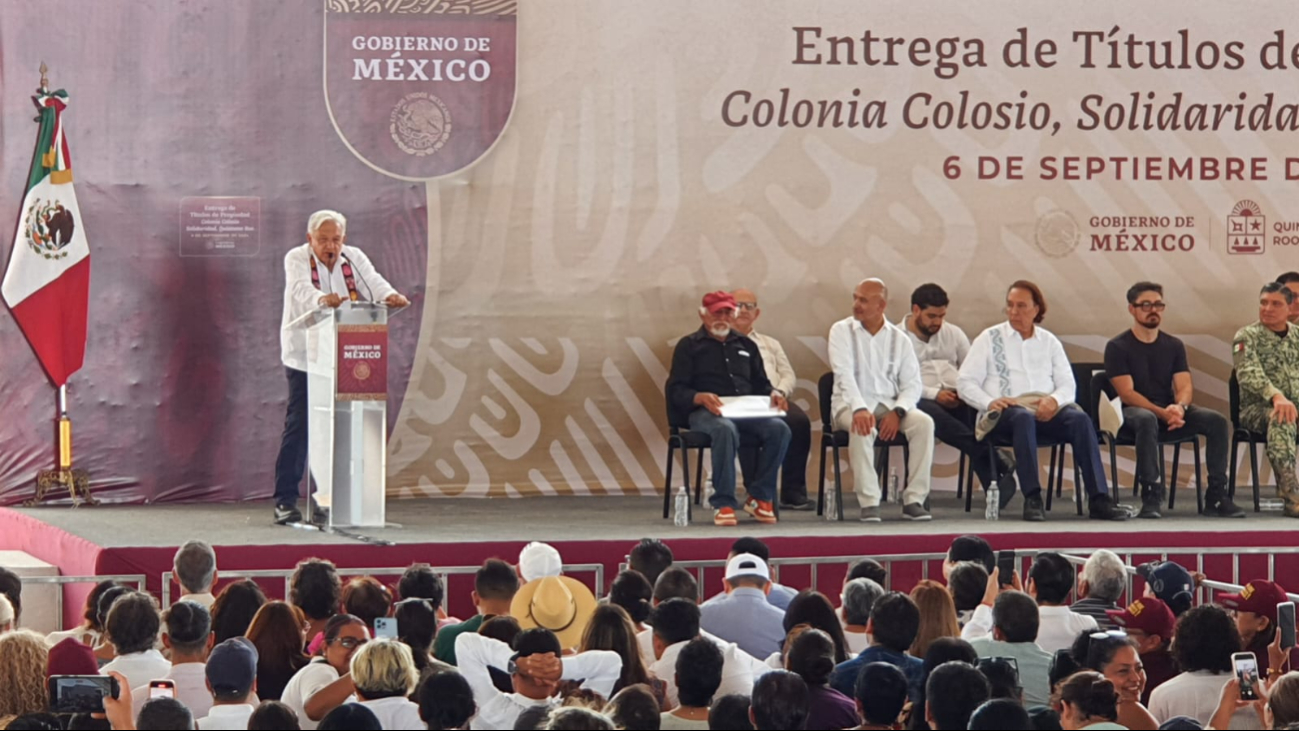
(1266, 356)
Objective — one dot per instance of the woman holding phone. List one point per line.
(326, 682)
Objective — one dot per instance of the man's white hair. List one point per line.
(1105, 576)
(319, 218)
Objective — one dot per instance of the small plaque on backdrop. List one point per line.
(220, 226)
(362, 362)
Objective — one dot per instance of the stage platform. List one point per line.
(141, 539)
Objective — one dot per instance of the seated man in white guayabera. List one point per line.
(320, 273)
(1018, 376)
(876, 387)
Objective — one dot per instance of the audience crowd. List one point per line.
(1053, 649)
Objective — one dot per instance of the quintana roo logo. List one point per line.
(1246, 229)
(48, 228)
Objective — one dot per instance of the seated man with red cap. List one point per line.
(717, 361)
(1256, 620)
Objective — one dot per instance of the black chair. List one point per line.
(834, 440)
(1100, 383)
(681, 437)
(1241, 434)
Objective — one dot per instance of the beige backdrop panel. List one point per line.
(564, 266)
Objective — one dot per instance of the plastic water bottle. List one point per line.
(831, 504)
(895, 495)
(681, 515)
(992, 510)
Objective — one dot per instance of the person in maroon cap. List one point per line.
(1255, 611)
(717, 361)
(1150, 623)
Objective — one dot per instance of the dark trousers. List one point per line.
(292, 462)
(1069, 425)
(953, 427)
(793, 472)
(1145, 429)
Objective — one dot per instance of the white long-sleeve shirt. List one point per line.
(940, 357)
(475, 653)
(775, 362)
(740, 670)
(1035, 365)
(301, 296)
(873, 370)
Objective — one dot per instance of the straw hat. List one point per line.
(560, 604)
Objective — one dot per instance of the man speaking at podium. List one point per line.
(320, 273)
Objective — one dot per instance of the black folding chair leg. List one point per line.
(1172, 482)
(838, 486)
(699, 478)
(960, 476)
(1253, 471)
(1050, 478)
(820, 484)
(1231, 471)
(685, 470)
(667, 481)
(1199, 480)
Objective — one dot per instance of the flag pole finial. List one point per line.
(45, 80)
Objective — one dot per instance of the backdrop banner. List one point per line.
(555, 185)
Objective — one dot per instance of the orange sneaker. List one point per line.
(761, 510)
(724, 517)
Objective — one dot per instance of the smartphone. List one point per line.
(80, 693)
(162, 689)
(1005, 567)
(385, 627)
(1285, 624)
(1246, 666)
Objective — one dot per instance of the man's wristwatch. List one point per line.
(899, 411)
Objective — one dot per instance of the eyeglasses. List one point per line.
(747, 305)
(1150, 306)
(349, 643)
(987, 662)
(1113, 634)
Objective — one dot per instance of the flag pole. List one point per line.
(77, 482)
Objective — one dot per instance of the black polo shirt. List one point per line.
(703, 364)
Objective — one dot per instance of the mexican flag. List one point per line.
(47, 284)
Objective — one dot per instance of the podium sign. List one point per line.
(347, 424)
(363, 362)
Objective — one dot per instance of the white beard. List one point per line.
(720, 330)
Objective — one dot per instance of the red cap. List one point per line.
(1259, 597)
(714, 301)
(71, 657)
(1147, 614)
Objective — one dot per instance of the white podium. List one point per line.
(347, 392)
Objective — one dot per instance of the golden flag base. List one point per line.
(76, 482)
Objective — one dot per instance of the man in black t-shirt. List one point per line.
(1148, 369)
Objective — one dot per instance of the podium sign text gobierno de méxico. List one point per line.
(362, 363)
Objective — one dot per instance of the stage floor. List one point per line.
(448, 520)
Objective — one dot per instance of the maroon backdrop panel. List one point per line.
(182, 395)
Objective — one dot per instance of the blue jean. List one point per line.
(292, 460)
(771, 436)
(1069, 425)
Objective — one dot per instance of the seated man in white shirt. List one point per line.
(676, 622)
(793, 471)
(232, 677)
(320, 273)
(1050, 579)
(1020, 372)
(536, 666)
(132, 628)
(876, 387)
(941, 348)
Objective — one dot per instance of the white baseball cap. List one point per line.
(539, 560)
(746, 564)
